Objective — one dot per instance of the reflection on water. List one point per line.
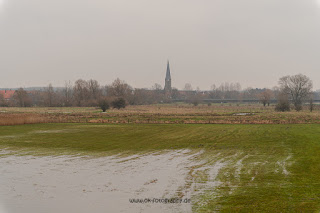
(73, 184)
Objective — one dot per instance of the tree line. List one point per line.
(84, 93)
(296, 89)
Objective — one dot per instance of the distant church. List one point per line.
(167, 87)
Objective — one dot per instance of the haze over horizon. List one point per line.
(207, 42)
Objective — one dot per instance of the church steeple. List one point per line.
(167, 87)
(168, 74)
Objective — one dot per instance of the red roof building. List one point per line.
(7, 94)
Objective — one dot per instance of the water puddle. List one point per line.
(75, 184)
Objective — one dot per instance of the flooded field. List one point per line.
(114, 168)
(76, 184)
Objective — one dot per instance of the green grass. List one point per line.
(279, 171)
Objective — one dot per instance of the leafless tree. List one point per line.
(175, 93)
(94, 89)
(95, 93)
(188, 87)
(265, 97)
(22, 98)
(237, 87)
(195, 99)
(298, 87)
(67, 94)
(157, 87)
(227, 91)
(80, 92)
(142, 96)
(157, 95)
(119, 88)
(49, 96)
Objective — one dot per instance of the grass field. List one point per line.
(158, 114)
(255, 168)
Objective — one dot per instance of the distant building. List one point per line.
(7, 94)
(167, 87)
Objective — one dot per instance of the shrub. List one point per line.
(283, 104)
(195, 102)
(282, 107)
(311, 105)
(119, 103)
(104, 105)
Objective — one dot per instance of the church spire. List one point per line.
(168, 74)
(167, 87)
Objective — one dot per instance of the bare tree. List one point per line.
(80, 92)
(237, 87)
(157, 95)
(144, 96)
(119, 88)
(49, 96)
(94, 89)
(188, 87)
(265, 97)
(21, 97)
(195, 99)
(298, 87)
(175, 93)
(95, 93)
(67, 94)
(140, 96)
(157, 87)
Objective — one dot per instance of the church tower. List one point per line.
(167, 87)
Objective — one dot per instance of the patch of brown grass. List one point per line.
(159, 114)
(15, 119)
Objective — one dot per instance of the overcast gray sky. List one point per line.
(253, 42)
